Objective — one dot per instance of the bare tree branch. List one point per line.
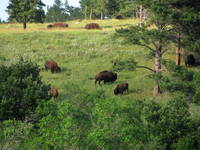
(146, 68)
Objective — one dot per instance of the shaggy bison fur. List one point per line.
(121, 88)
(52, 65)
(189, 60)
(58, 25)
(105, 76)
(53, 92)
(92, 26)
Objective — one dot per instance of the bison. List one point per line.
(58, 25)
(189, 60)
(119, 17)
(121, 88)
(105, 76)
(53, 92)
(52, 65)
(92, 26)
(50, 26)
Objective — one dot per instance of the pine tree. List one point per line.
(153, 39)
(185, 19)
(56, 13)
(88, 7)
(24, 11)
(101, 8)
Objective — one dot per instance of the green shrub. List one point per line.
(21, 90)
(13, 134)
(179, 72)
(179, 80)
(117, 127)
(169, 123)
(127, 64)
(196, 84)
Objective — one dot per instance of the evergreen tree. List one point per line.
(88, 7)
(185, 19)
(101, 8)
(153, 39)
(56, 13)
(24, 11)
(113, 7)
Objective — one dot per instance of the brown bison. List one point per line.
(52, 65)
(105, 76)
(190, 60)
(50, 26)
(58, 25)
(92, 26)
(121, 88)
(53, 92)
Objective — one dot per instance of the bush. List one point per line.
(196, 83)
(117, 127)
(13, 134)
(21, 90)
(179, 79)
(127, 64)
(169, 123)
(178, 71)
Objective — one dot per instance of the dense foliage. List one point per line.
(21, 90)
(94, 121)
(61, 12)
(108, 8)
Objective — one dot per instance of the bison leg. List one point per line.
(52, 70)
(99, 82)
(95, 82)
(46, 68)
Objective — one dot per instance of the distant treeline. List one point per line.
(59, 12)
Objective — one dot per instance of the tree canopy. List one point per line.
(24, 11)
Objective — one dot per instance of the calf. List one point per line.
(121, 88)
(53, 92)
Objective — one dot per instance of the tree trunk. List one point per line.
(85, 12)
(178, 50)
(102, 15)
(158, 56)
(140, 15)
(156, 89)
(24, 25)
(91, 12)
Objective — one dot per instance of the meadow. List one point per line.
(81, 54)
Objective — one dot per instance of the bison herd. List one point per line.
(105, 76)
(63, 25)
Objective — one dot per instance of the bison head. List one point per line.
(58, 69)
(116, 91)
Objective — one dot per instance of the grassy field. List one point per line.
(81, 54)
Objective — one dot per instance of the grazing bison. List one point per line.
(119, 17)
(52, 65)
(58, 25)
(105, 76)
(53, 92)
(92, 26)
(189, 60)
(121, 88)
(50, 26)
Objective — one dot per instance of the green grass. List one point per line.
(81, 54)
